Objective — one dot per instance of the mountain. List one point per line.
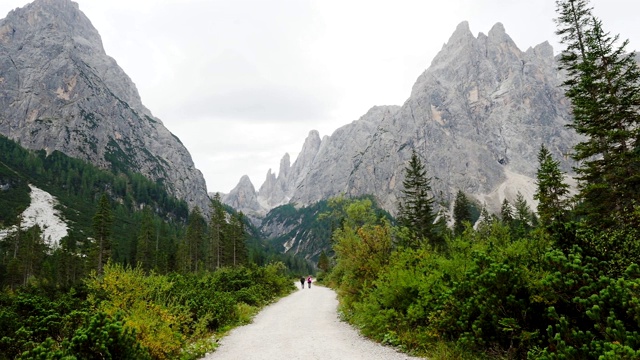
(61, 91)
(477, 117)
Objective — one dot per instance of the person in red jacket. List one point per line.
(309, 281)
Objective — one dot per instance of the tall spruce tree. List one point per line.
(603, 84)
(415, 210)
(217, 227)
(461, 213)
(524, 218)
(102, 228)
(551, 191)
(238, 238)
(145, 249)
(189, 255)
(506, 212)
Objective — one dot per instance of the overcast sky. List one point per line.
(242, 82)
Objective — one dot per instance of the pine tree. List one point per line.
(506, 212)
(485, 220)
(102, 227)
(415, 211)
(194, 239)
(145, 242)
(551, 191)
(603, 84)
(461, 213)
(237, 243)
(523, 220)
(216, 232)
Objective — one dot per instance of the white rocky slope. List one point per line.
(42, 212)
(477, 117)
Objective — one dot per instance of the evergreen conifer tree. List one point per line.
(506, 212)
(238, 247)
(144, 247)
(524, 218)
(603, 84)
(217, 227)
(102, 228)
(415, 211)
(461, 213)
(551, 191)
(190, 248)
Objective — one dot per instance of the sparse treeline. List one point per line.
(562, 284)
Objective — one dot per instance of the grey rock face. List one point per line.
(477, 117)
(60, 91)
(244, 198)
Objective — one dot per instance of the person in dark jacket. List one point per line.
(301, 282)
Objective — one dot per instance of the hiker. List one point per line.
(308, 282)
(301, 282)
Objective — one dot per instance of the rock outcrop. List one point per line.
(59, 90)
(477, 117)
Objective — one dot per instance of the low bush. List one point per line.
(125, 314)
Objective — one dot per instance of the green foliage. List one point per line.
(102, 338)
(617, 248)
(461, 213)
(306, 223)
(14, 196)
(511, 289)
(167, 312)
(524, 219)
(323, 262)
(362, 248)
(416, 208)
(603, 84)
(552, 192)
(591, 314)
(506, 212)
(102, 223)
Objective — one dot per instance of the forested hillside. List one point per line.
(562, 284)
(137, 276)
(305, 231)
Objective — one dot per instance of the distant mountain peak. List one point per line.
(477, 116)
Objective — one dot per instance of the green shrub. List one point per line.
(592, 315)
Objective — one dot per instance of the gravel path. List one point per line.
(303, 325)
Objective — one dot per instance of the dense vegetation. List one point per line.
(560, 285)
(138, 276)
(127, 314)
(310, 225)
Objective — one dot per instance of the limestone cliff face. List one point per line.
(59, 90)
(477, 117)
(243, 197)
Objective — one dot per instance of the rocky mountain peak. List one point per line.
(285, 165)
(499, 33)
(477, 116)
(61, 91)
(244, 197)
(461, 34)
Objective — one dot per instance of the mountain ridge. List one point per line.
(482, 100)
(61, 91)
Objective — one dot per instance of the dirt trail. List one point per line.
(303, 325)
